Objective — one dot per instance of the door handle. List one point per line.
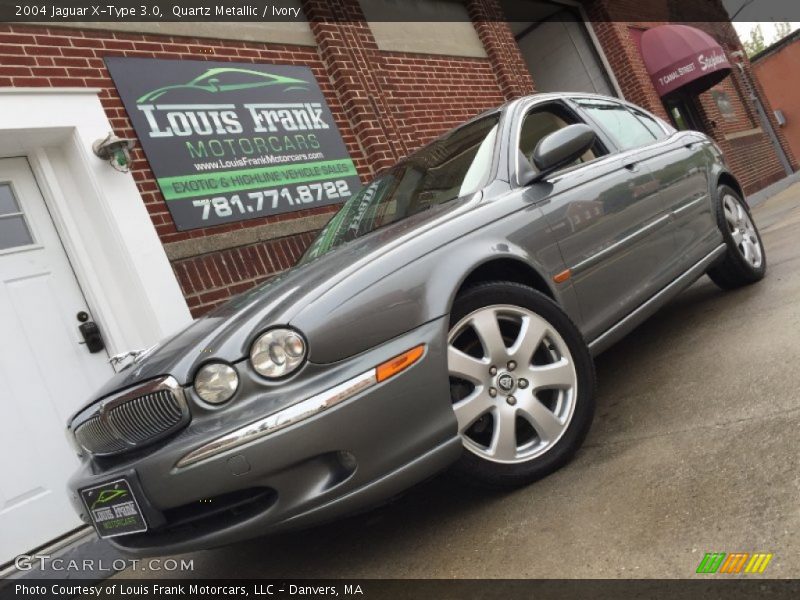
(690, 145)
(90, 333)
(633, 167)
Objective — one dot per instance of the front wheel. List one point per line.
(745, 261)
(522, 384)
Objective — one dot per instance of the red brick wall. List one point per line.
(431, 95)
(212, 278)
(398, 101)
(777, 74)
(385, 105)
(35, 56)
(511, 71)
(752, 158)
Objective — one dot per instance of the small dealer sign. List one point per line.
(234, 141)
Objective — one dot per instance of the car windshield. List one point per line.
(453, 166)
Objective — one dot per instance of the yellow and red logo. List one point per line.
(733, 563)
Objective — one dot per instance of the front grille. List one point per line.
(132, 419)
(146, 417)
(97, 439)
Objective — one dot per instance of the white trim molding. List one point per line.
(107, 233)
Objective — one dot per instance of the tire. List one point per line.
(519, 422)
(745, 261)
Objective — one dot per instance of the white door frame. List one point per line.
(107, 233)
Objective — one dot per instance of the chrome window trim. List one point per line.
(665, 127)
(528, 104)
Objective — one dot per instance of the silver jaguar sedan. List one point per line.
(446, 316)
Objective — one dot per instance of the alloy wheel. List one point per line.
(513, 383)
(743, 231)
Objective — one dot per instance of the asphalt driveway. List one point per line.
(695, 449)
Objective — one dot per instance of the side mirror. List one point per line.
(560, 148)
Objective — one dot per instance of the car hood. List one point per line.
(227, 332)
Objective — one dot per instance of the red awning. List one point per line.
(679, 57)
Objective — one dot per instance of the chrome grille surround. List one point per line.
(133, 418)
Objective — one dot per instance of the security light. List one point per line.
(115, 150)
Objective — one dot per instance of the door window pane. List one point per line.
(8, 204)
(13, 228)
(14, 232)
(541, 122)
(651, 124)
(626, 129)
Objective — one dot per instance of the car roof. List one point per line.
(510, 105)
(544, 96)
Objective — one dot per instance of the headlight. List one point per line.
(277, 353)
(216, 382)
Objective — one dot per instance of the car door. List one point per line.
(679, 161)
(611, 226)
(682, 174)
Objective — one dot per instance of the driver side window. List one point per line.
(544, 120)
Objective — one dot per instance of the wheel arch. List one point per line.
(726, 178)
(506, 269)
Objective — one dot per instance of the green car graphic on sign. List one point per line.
(223, 79)
(109, 495)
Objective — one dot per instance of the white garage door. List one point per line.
(45, 371)
(561, 56)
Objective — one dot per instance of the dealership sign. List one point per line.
(234, 141)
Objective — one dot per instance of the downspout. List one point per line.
(766, 125)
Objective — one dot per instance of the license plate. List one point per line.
(113, 509)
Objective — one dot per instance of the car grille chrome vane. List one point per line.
(132, 419)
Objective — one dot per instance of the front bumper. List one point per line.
(358, 453)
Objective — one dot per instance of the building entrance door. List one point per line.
(46, 371)
(683, 113)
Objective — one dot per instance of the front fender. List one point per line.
(395, 296)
